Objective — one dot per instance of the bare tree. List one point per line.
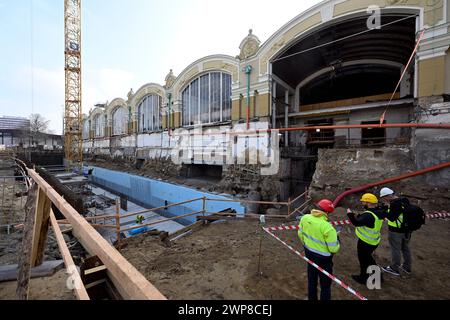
(38, 124)
(38, 127)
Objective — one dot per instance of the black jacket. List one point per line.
(396, 208)
(366, 219)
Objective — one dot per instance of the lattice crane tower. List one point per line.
(73, 111)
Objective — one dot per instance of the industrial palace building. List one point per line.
(324, 67)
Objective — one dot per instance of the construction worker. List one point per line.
(368, 230)
(321, 243)
(399, 236)
(140, 219)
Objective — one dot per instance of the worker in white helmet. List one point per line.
(399, 236)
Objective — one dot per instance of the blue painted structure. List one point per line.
(151, 193)
(138, 231)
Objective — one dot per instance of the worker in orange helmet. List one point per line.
(321, 242)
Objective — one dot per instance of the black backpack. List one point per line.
(413, 218)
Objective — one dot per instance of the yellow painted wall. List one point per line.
(164, 121)
(263, 105)
(235, 112)
(177, 119)
(434, 10)
(262, 108)
(432, 76)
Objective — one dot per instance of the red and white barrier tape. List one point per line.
(329, 275)
(436, 215)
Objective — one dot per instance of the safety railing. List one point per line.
(115, 220)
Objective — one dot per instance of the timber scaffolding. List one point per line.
(127, 282)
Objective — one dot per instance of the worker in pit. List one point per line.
(368, 230)
(140, 219)
(321, 242)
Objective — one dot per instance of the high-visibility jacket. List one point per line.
(139, 219)
(397, 223)
(371, 236)
(317, 234)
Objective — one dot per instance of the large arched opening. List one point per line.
(342, 72)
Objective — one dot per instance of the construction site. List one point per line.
(194, 189)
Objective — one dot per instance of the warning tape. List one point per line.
(329, 275)
(437, 215)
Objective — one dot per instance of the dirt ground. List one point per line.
(220, 261)
(50, 288)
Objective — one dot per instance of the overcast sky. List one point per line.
(126, 44)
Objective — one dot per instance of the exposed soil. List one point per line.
(220, 261)
(50, 288)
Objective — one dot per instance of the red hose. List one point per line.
(390, 180)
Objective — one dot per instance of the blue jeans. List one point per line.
(315, 275)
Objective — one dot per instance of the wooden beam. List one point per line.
(80, 291)
(23, 278)
(129, 281)
(348, 102)
(40, 231)
(186, 229)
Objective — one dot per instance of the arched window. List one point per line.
(149, 113)
(86, 129)
(99, 123)
(120, 121)
(207, 99)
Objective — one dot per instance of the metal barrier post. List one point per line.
(118, 222)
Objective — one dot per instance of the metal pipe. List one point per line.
(169, 119)
(331, 127)
(248, 71)
(390, 180)
(118, 222)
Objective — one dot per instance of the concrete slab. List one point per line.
(47, 269)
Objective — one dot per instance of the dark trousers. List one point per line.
(365, 257)
(314, 275)
(399, 243)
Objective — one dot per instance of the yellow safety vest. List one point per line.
(398, 223)
(318, 235)
(371, 236)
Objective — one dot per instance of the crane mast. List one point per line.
(73, 110)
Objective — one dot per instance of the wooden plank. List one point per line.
(80, 291)
(348, 102)
(96, 283)
(94, 270)
(186, 229)
(47, 269)
(130, 283)
(23, 278)
(41, 225)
